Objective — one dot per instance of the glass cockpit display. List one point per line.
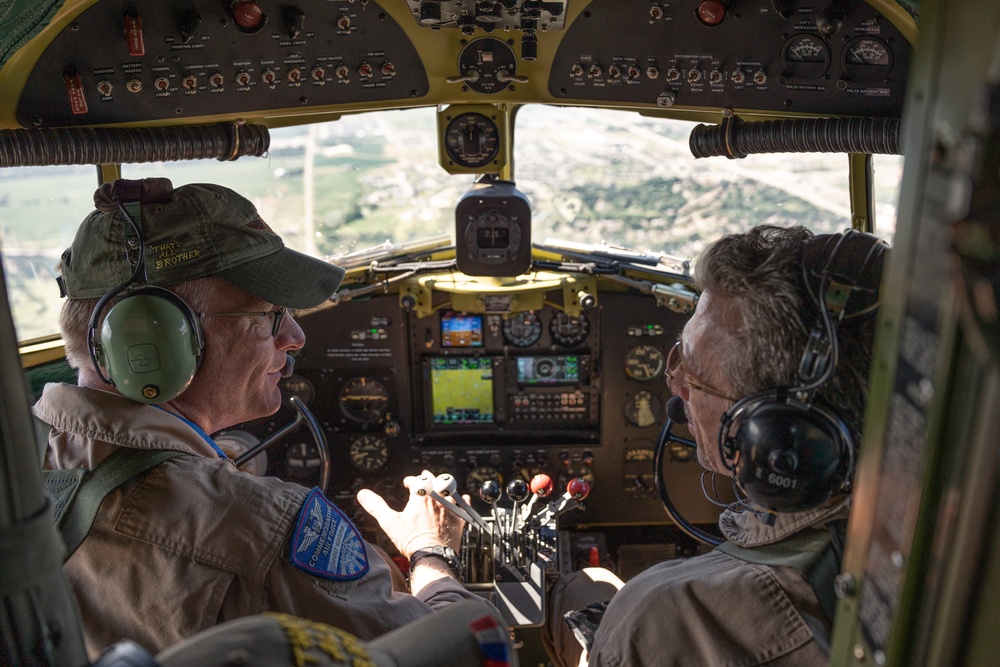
(461, 330)
(461, 391)
(548, 370)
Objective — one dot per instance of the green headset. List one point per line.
(150, 342)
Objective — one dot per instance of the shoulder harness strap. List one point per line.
(817, 554)
(77, 494)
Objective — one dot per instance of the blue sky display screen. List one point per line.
(461, 391)
(461, 330)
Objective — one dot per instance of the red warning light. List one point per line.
(712, 12)
(248, 15)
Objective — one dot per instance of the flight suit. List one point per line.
(194, 542)
(715, 609)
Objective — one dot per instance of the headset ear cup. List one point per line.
(790, 457)
(150, 345)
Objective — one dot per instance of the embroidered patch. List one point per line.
(326, 543)
(492, 640)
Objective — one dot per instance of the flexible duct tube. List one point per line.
(737, 139)
(64, 146)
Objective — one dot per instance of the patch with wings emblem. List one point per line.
(326, 543)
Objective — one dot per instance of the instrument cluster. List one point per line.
(489, 397)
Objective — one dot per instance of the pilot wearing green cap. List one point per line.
(177, 320)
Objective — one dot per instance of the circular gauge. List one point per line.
(644, 363)
(569, 331)
(472, 140)
(369, 453)
(522, 329)
(302, 459)
(474, 480)
(867, 59)
(298, 386)
(805, 56)
(363, 399)
(572, 472)
(643, 408)
(237, 443)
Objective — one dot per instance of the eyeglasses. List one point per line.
(277, 317)
(675, 361)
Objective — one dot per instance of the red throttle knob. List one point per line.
(578, 488)
(541, 485)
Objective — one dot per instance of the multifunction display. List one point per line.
(461, 390)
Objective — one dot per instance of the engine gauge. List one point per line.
(585, 473)
(867, 59)
(363, 399)
(298, 386)
(522, 329)
(644, 363)
(302, 459)
(477, 476)
(805, 56)
(569, 331)
(369, 453)
(643, 408)
(472, 140)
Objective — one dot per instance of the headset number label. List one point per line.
(781, 480)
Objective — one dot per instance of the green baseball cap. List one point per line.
(190, 232)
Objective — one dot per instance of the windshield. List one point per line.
(592, 176)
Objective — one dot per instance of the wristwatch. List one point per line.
(447, 554)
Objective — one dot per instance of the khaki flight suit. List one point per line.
(194, 542)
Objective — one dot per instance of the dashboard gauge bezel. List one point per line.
(360, 408)
(633, 360)
(581, 326)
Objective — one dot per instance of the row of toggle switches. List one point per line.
(269, 77)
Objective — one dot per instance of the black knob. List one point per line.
(831, 19)
(294, 20)
(489, 491)
(517, 490)
(430, 12)
(529, 46)
(189, 26)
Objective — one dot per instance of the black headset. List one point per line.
(788, 452)
(150, 342)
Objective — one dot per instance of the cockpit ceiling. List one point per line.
(116, 61)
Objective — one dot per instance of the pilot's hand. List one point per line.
(423, 523)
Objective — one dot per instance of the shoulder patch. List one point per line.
(326, 543)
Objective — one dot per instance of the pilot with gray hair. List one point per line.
(178, 321)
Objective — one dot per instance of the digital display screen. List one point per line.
(461, 330)
(548, 370)
(461, 391)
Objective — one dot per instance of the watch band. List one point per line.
(446, 554)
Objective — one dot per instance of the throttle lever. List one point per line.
(446, 485)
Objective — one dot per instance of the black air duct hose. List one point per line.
(735, 138)
(104, 145)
